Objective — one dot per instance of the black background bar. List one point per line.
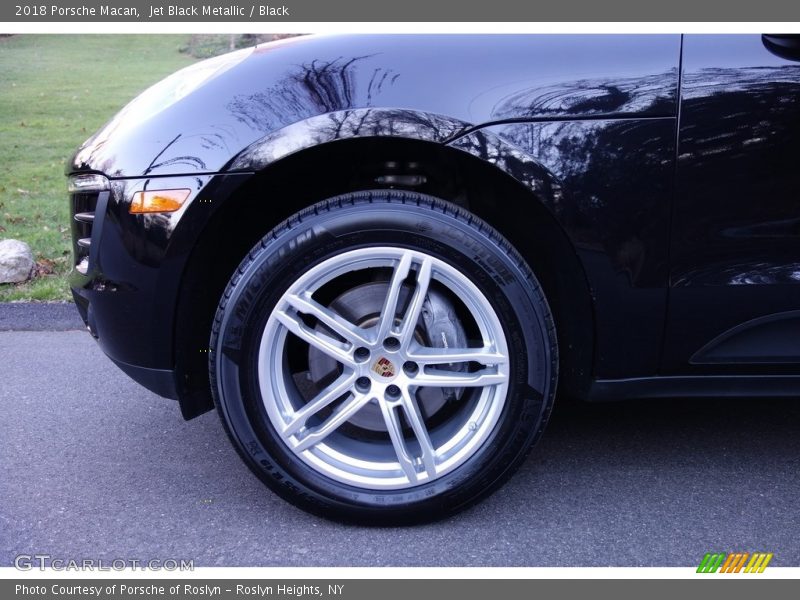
(440, 11)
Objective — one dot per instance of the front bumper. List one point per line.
(128, 268)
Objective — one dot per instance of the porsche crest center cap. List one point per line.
(384, 367)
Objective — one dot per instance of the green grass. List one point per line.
(57, 90)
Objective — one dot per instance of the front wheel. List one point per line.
(383, 357)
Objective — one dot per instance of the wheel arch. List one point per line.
(454, 173)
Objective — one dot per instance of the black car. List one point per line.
(379, 255)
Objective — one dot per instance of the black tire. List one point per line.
(460, 246)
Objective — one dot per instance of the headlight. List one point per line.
(86, 183)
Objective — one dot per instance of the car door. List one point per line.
(735, 247)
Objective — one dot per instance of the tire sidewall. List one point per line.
(426, 225)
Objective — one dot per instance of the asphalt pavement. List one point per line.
(94, 466)
(39, 316)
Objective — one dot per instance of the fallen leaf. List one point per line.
(44, 266)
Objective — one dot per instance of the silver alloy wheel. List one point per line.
(384, 364)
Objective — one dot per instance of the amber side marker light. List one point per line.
(157, 201)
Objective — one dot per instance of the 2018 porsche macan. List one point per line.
(378, 255)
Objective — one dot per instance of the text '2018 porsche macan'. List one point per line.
(379, 255)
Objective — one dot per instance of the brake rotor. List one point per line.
(438, 327)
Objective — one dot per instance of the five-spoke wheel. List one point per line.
(385, 361)
(384, 357)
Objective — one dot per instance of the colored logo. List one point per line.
(383, 367)
(735, 562)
